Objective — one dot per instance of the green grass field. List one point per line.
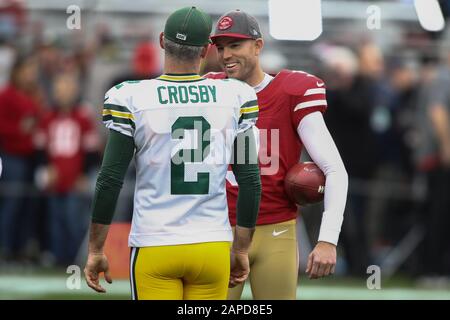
(52, 285)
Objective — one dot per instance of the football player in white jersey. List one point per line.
(183, 131)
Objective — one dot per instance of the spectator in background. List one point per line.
(402, 106)
(392, 215)
(68, 137)
(19, 114)
(50, 62)
(145, 64)
(13, 19)
(425, 154)
(7, 57)
(434, 160)
(352, 83)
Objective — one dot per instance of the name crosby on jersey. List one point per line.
(185, 94)
(181, 202)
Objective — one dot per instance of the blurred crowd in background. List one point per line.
(388, 111)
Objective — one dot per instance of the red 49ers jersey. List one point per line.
(67, 137)
(283, 103)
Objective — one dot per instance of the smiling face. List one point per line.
(238, 57)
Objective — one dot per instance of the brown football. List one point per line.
(305, 183)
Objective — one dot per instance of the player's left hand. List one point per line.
(322, 260)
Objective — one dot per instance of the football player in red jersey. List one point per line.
(290, 117)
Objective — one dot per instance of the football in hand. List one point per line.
(305, 183)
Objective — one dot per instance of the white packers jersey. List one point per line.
(183, 127)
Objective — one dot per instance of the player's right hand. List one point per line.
(96, 264)
(239, 268)
(322, 260)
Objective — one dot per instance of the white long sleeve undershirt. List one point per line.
(317, 140)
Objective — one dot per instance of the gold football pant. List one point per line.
(190, 271)
(273, 263)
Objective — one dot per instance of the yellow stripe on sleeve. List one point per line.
(249, 109)
(118, 114)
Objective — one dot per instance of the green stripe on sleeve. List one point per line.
(249, 104)
(116, 107)
(249, 115)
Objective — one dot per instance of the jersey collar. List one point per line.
(180, 77)
(263, 83)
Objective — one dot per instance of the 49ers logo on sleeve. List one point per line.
(225, 23)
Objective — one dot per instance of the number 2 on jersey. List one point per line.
(178, 185)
